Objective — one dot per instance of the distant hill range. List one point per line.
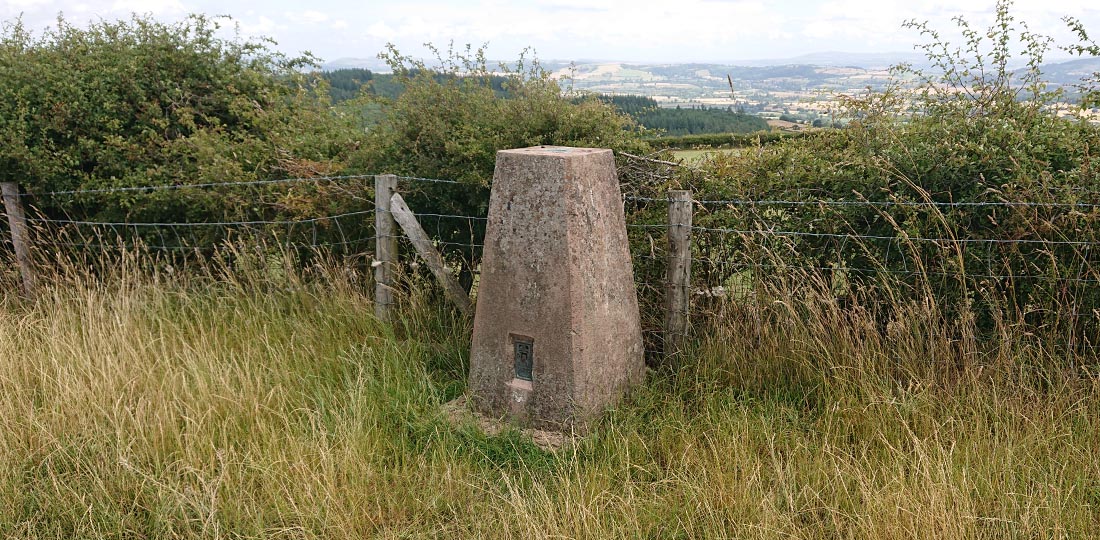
(697, 82)
(372, 64)
(871, 61)
(378, 66)
(1061, 72)
(1070, 72)
(860, 60)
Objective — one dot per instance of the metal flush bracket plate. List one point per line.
(524, 357)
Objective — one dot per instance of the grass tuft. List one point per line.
(230, 405)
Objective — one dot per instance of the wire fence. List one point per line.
(1034, 256)
(51, 214)
(117, 226)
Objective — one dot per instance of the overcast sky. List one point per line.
(633, 30)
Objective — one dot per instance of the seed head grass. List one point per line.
(220, 406)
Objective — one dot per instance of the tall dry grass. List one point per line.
(254, 400)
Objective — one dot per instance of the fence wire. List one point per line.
(871, 204)
(239, 183)
(350, 229)
(207, 185)
(741, 247)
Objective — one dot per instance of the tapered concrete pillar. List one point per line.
(557, 337)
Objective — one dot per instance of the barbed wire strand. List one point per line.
(903, 238)
(129, 189)
(827, 202)
(429, 180)
(198, 223)
(795, 267)
(105, 246)
(205, 185)
(851, 236)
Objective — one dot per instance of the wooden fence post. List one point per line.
(431, 256)
(385, 245)
(679, 271)
(20, 239)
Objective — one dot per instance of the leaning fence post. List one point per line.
(385, 245)
(431, 256)
(679, 271)
(20, 240)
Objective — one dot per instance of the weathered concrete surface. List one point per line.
(557, 273)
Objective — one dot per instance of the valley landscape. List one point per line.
(801, 89)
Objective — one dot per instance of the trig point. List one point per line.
(557, 337)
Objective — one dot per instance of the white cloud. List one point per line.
(156, 7)
(679, 30)
(382, 31)
(262, 26)
(308, 16)
(602, 28)
(24, 5)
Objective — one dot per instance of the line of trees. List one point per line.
(680, 121)
(348, 84)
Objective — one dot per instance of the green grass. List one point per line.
(701, 154)
(215, 408)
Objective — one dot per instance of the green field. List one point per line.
(701, 154)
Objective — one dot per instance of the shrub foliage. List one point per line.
(139, 103)
(989, 197)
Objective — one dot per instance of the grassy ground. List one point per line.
(701, 154)
(150, 408)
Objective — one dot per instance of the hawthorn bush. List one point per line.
(142, 103)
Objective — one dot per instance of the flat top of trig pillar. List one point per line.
(563, 151)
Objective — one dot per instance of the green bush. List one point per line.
(972, 131)
(451, 120)
(143, 103)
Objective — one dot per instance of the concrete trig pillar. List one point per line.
(557, 337)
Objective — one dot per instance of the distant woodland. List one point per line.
(346, 84)
(690, 121)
